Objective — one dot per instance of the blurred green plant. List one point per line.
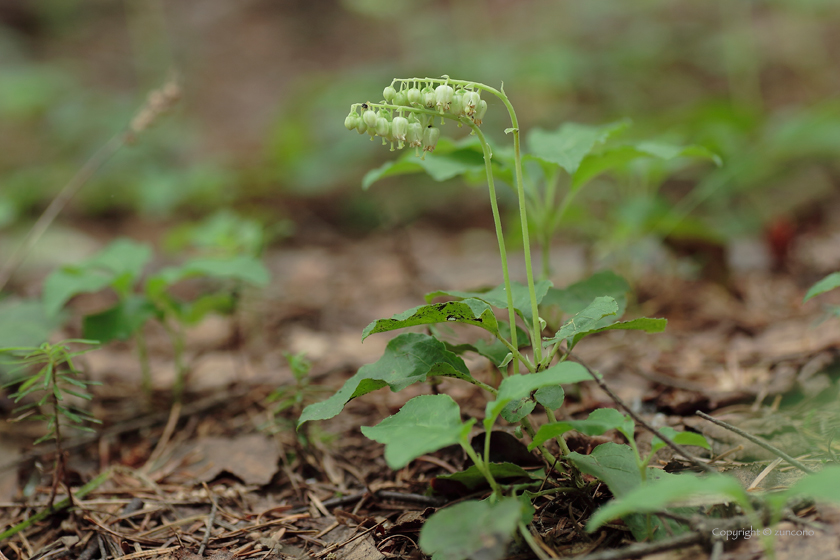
(120, 267)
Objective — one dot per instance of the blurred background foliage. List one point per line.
(267, 85)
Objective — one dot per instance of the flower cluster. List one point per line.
(406, 115)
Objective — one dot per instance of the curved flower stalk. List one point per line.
(411, 102)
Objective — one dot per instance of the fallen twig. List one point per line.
(758, 441)
(639, 420)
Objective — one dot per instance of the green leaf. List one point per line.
(120, 322)
(645, 324)
(65, 283)
(613, 464)
(680, 438)
(409, 358)
(569, 144)
(823, 486)
(598, 422)
(550, 397)
(586, 319)
(828, 283)
(495, 350)
(193, 312)
(498, 298)
(424, 424)
(656, 495)
(440, 165)
(122, 257)
(520, 386)
(471, 530)
(244, 268)
(620, 156)
(576, 297)
(473, 478)
(469, 311)
(25, 323)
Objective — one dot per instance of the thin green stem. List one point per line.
(523, 218)
(517, 354)
(145, 367)
(486, 387)
(532, 544)
(497, 222)
(560, 441)
(523, 214)
(177, 338)
(482, 467)
(547, 455)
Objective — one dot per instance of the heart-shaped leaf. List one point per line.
(586, 319)
(408, 358)
(598, 422)
(571, 143)
(424, 424)
(680, 438)
(576, 297)
(619, 156)
(520, 386)
(120, 322)
(472, 529)
(468, 311)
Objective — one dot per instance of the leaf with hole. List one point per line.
(587, 319)
(498, 298)
(644, 324)
(468, 311)
(409, 358)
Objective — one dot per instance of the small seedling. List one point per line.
(120, 266)
(49, 375)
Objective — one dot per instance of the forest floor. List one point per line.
(222, 477)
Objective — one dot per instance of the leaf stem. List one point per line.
(482, 467)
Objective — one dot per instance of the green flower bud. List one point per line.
(429, 97)
(471, 101)
(430, 138)
(369, 117)
(361, 127)
(399, 128)
(443, 97)
(414, 96)
(352, 121)
(414, 135)
(457, 105)
(480, 111)
(401, 99)
(388, 93)
(383, 127)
